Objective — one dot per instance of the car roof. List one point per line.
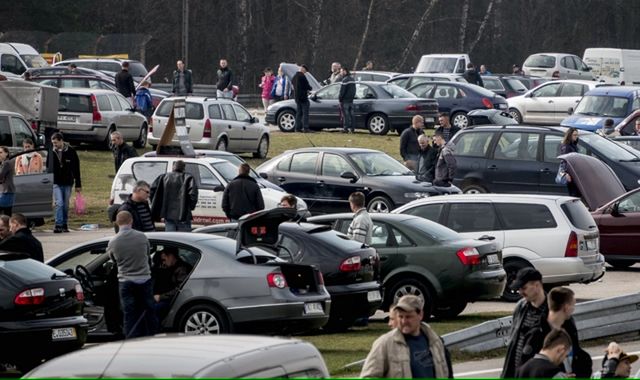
(333, 149)
(576, 81)
(614, 90)
(493, 197)
(391, 73)
(439, 75)
(199, 153)
(374, 216)
(66, 61)
(9, 113)
(211, 160)
(523, 127)
(203, 99)
(557, 54)
(85, 91)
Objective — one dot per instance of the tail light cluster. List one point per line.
(487, 103)
(206, 132)
(556, 74)
(276, 280)
(572, 246)
(351, 264)
(33, 296)
(79, 293)
(412, 107)
(97, 117)
(468, 256)
(34, 126)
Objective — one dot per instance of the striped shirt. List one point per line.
(361, 227)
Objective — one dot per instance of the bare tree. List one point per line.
(316, 15)
(414, 36)
(244, 27)
(463, 25)
(364, 35)
(483, 24)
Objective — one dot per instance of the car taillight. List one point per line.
(412, 107)
(276, 280)
(487, 103)
(34, 126)
(622, 83)
(33, 296)
(352, 264)
(320, 278)
(79, 293)
(206, 132)
(572, 246)
(97, 117)
(556, 75)
(469, 256)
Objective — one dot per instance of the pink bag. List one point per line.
(80, 204)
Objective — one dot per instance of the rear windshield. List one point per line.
(338, 240)
(194, 111)
(541, 60)
(137, 69)
(578, 215)
(29, 270)
(75, 103)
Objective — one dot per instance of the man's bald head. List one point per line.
(124, 218)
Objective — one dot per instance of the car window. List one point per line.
(304, 163)
(444, 91)
(115, 104)
(573, 89)
(472, 217)
(103, 103)
(227, 110)
(517, 146)
(6, 139)
(284, 163)
(73, 83)
(378, 77)
(603, 105)
(74, 103)
(21, 130)
(194, 111)
(188, 256)
(137, 69)
(552, 148)
(396, 92)
(630, 203)
(517, 85)
(608, 148)
(334, 165)
(567, 62)
(29, 270)
(578, 214)
(520, 216)
(402, 82)
(288, 249)
(203, 175)
(241, 113)
(214, 112)
(361, 76)
(11, 64)
(148, 170)
(123, 102)
(329, 92)
(473, 144)
(384, 236)
(492, 84)
(430, 211)
(164, 109)
(228, 171)
(84, 258)
(48, 82)
(423, 90)
(109, 66)
(547, 90)
(96, 84)
(580, 65)
(541, 60)
(364, 92)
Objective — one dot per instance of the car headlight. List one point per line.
(416, 195)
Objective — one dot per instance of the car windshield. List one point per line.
(606, 106)
(229, 171)
(379, 164)
(434, 230)
(608, 148)
(137, 69)
(437, 65)
(34, 61)
(396, 92)
(541, 60)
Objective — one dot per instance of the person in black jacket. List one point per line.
(570, 145)
(426, 168)
(242, 195)
(182, 83)
(22, 241)
(347, 94)
(446, 129)
(173, 196)
(225, 81)
(124, 82)
(546, 363)
(301, 88)
(409, 148)
(121, 150)
(138, 206)
(472, 75)
(66, 172)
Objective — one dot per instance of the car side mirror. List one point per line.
(588, 68)
(254, 119)
(369, 96)
(570, 111)
(529, 95)
(615, 210)
(218, 188)
(263, 175)
(349, 175)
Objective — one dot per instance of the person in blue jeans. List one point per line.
(173, 196)
(66, 173)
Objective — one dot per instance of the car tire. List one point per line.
(286, 121)
(460, 120)
(512, 267)
(204, 320)
(411, 286)
(378, 124)
(449, 310)
(474, 188)
(620, 264)
(380, 204)
(107, 141)
(222, 145)
(141, 142)
(263, 148)
(516, 115)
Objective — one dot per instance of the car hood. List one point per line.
(261, 227)
(588, 123)
(409, 183)
(596, 181)
(290, 69)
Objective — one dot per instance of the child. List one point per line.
(266, 83)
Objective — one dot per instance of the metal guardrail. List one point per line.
(247, 100)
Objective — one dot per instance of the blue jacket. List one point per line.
(286, 84)
(143, 100)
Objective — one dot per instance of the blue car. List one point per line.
(602, 103)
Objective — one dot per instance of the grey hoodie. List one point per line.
(446, 163)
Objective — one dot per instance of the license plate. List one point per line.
(493, 259)
(313, 308)
(374, 296)
(67, 333)
(66, 118)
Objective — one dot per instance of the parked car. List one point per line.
(459, 98)
(627, 127)
(224, 356)
(110, 66)
(503, 85)
(567, 254)
(229, 287)
(602, 103)
(212, 123)
(548, 103)
(373, 76)
(443, 63)
(41, 311)
(378, 107)
(351, 270)
(16, 58)
(91, 115)
(407, 81)
(210, 174)
(428, 260)
(325, 177)
(557, 65)
(524, 159)
(529, 81)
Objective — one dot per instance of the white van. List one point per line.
(16, 58)
(614, 66)
(443, 63)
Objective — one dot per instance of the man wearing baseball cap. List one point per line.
(411, 350)
(529, 313)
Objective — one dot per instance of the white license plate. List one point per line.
(66, 333)
(313, 308)
(66, 118)
(493, 259)
(592, 245)
(374, 296)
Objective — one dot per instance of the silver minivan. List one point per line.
(90, 115)
(557, 66)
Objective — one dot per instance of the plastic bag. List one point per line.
(80, 204)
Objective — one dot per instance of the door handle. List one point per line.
(244, 128)
(492, 167)
(228, 126)
(320, 183)
(45, 180)
(550, 101)
(545, 170)
(281, 179)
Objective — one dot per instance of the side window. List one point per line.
(304, 163)
(402, 82)
(189, 257)
(6, 138)
(517, 216)
(630, 203)
(547, 91)
(103, 103)
(227, 110)
(446, 92)
(423, 91)
(492, 84)
(329, 92)
(431, 212)
(21, 130)
(572, 89)
(567, 62)
(241, 113)
(123, 103)
(115, 104)
(384, 236)
(194, 111)
(11, 64)
(473, 144)
(580, 65)
(517, 146)
(207, 178)
(364, 92)
(284, 164)
(148, 171)
(636, 104)
(472, 217)
(85, 258)
(333, 165)
(288, 249)
(214, 112)
(552, 148)
(73, 83)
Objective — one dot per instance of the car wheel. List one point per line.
(380, 204)
(378, 124)
(460, 120)
(621, 264)
(474, 189)
(516, 115)
(204, 320)
(222, 145)
(512, 267)
(449, 309)
(107, 141)
(286, 121)
(412, 286)
(263, 148)
(141, 142)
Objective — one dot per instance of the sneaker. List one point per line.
(57, 229)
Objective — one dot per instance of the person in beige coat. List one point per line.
(411, 350)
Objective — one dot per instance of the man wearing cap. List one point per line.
(616, 362)
(411, 350)
(527, 317)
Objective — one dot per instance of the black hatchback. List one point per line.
(41, 311)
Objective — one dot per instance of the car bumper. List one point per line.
(355, 301)
(290, 317)
(481, 285)
(270, 118)
(570, 270)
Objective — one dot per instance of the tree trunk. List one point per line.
(315, 31)
(244, 27)
(414, 36)
(483, 24)
(463, 25)
(364, 36)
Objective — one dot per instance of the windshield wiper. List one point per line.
(637, 159)
(589, 113)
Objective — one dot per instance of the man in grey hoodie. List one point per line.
(446, 163)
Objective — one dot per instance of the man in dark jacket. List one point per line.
(546, 363)
(409, 148)
(173, 196)
(124, 82)
(22, 241)
(66, 172)
(446, 166)
(138, 206)
(182, 84)
(168, 278)
(242, 195)
(121, 150)
(225, 81)
(301, 88)
(426, 169)
(472, 75)
(347, 94)
(446, 129)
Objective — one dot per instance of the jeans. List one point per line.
(175, 225)
(61, 195)
(138, 308)
(348, 123)
(228, 94)
(302, 116)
